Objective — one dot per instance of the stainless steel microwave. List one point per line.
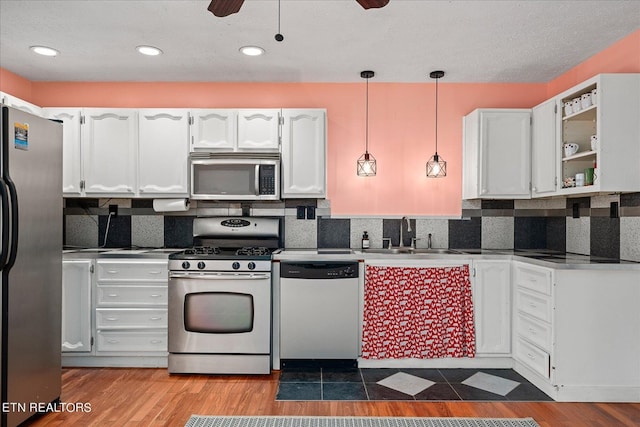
(235, 177)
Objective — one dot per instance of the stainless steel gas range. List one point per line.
(220, 297)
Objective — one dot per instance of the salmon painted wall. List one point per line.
(401, 123)
(15, 85)
(621, 57)
(401, 129)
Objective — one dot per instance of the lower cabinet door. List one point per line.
(131, 318)
(128, 341)
(76, 305)
(533, 357)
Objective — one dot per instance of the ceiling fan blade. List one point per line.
(368, 4)
(222, 8)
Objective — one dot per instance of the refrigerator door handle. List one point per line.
(13, 201)
(4, 243)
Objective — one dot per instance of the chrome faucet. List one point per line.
(404, 218)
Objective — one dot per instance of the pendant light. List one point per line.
(436, 166)
(366, 165)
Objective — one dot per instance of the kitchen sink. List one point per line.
(434, 251)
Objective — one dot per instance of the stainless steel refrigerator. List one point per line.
(31, 263)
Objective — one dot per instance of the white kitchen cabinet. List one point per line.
(20, 104)
(131, 307)
(543, 149)
(77, 278)
(613, 120)
(492, 307)
(220, 130)
(496, 154)
(110, 140)
(163, 152)
(303, 153)
(72, 169)
(259, 129)
(577, 332)
(213, 129)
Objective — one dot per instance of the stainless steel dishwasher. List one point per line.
(319, 310)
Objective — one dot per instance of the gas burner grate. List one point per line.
(202, 250)
(253, 251)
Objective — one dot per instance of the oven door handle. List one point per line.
(218, 276)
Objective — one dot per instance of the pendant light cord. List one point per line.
(437, 116)
(366, 150)
(278, 16)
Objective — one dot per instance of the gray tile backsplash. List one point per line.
(489, 224)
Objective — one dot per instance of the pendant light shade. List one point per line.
(436, 166)
(366, 164)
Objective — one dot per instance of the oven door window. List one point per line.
(234, 179)
(218, 312)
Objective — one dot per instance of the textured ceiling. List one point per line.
(325, 40)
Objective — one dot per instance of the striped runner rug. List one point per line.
(281, 421)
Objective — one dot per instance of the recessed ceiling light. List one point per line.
(149, 50)
(45, 51)
(252, 50)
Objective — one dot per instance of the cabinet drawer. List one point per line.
(131, 318)
(536, 279)
(534, 305)
(532, 356)
(534, 331)
(132, 341)
(131, 295)
(132, 271)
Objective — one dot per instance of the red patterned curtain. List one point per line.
(421, 313)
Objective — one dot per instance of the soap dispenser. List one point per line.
(365, 240)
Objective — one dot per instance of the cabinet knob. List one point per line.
(484, 191)
(535, 189)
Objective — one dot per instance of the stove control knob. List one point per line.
(201, 265)
(252, 265)
(235, 265)
(186, 265)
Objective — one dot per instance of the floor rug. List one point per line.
(277, 421)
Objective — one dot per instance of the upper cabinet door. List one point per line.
(543, 149)
(213, 130)
(496, 154)
(304, 153)
(110, 140)
(258, 129)
(163, 152)
(71, 148)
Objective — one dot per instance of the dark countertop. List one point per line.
(541, 257)
(70, 252)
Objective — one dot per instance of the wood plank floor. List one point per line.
(152, 397)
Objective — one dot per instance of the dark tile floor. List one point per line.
(313, 381)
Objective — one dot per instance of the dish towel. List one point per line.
(421, 313)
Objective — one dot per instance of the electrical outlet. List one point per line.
(113, 210)
(301, 212)
(614, 211)
(311, 212)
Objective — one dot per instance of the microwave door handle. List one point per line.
(257, 181)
